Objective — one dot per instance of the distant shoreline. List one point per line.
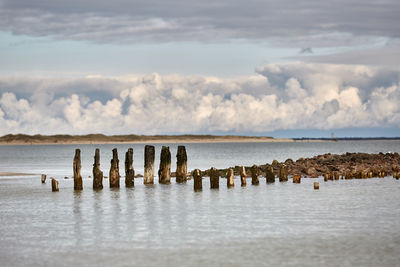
(97, 139)
(21, 139)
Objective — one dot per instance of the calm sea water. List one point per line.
(345, 223)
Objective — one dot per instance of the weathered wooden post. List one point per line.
(77, 170)
(243, 176)
(336, 175)
(149, 154)
(164, 172)
(181, 165)
(214, 178)
(97, 173)
(129, 171)
(230, 178)
(254, 175)
(296, 179)
(114, 170)
(269, 174)
(283, 173)
(197, 180)
(54, 185)
(43, 178)
(316, 185)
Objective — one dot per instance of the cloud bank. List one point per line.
(277, 97)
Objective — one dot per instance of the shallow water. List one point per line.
(345, 223)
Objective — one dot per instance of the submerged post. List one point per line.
(43, 178)
(197, 183)
(283, 173)
(254, 175)
(214, 178)
(181, 165)
(97, 173)
(54, 185)
(129, 171)
(114, 170)
(243, 176)
(77, 170)
(269, 174)
(296, 179)
(316, 185)
(164, 172)
(149, 154)
(230, 178)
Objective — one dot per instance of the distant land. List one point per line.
(23, 139)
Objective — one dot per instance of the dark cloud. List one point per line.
(158, 20)
(307, 50)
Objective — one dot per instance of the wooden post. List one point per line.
(316, 185)
(243, 176)
(269, 174)
(43, 178)
(181, 165)
(283, 173)
(97, 173)
(326, 177)
(54, 185)
(254, 175)
(197, 180)
(296, 179)
(230, 178)
(214, 178)
(164, 172)
(129, 171)
(149, 154)
(114, 170)
(77, 170)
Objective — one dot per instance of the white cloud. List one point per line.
(279, 97)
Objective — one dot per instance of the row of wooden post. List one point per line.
(164, 172)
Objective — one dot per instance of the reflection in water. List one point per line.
(98, 213)
(77, 217)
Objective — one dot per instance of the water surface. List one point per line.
(345, 223)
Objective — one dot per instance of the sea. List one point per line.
(344, 223)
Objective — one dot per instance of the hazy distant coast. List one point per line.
(22, 139)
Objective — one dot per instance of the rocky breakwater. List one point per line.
(333, 166)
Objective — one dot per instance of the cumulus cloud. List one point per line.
(127, 21)
(277, 97)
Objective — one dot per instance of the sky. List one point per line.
(277, 68)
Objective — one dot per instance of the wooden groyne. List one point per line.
(331, 167)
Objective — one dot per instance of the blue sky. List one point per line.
(244, 65)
